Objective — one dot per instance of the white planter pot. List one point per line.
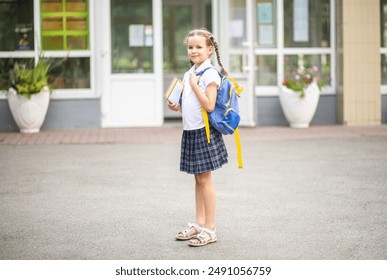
(299, 111)
(29, 113)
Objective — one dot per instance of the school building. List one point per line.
(116, 57)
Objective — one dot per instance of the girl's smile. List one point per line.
(197, 50)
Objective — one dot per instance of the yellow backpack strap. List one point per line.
(236, 134)
(206, 124)
(238, 147)
(238, 87)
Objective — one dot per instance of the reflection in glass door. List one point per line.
(239, 40)
(179, 17)
(177, 20)
(262, 40)
(131, 36)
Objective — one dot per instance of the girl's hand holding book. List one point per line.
(174, 107)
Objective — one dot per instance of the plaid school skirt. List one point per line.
(197, 156)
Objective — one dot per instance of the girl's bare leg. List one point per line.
(205, 200)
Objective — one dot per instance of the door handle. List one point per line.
(245, 51)
(245, 68)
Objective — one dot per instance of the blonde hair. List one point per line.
(210, 41)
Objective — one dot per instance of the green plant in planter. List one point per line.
(30, 80)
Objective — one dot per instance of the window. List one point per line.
(322, 62)
(70, 73)
(267, 70)
(65, 40)
(266, 23)
(6, 65)
(237, 28)
(384, 68)
(132, 36)
(16, 36)
(307, 33)
(306, 23)
(16, 25)
(177, 20)
(284, 31)
(237, 35)
(64, 25)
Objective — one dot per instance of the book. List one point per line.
(174, 91)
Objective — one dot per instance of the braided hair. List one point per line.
(210, 40)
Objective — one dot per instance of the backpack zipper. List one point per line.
(225, 114)
(228, 126)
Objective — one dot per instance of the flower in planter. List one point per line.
(298, 79)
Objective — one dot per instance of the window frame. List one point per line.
(66, 32)
(70, 93)
(281, 52)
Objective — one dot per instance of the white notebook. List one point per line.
(174, 91)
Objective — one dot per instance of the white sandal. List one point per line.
(205, 237)
(184, 235)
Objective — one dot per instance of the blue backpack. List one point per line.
(225, 117)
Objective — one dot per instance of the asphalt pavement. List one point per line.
(313, 194)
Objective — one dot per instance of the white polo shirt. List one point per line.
(191, 107)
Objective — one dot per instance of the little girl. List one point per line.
(199, 157)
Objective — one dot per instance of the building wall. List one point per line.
(359, 98)
(357, 101)
(61, 114)
(269, 111)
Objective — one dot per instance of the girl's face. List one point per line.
(197, 49)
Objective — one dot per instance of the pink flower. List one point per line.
(300, 77)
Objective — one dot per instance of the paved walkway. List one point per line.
(172, 133)
(317, 193)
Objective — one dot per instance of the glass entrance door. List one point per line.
(266, 39)
(238, 43)
(179, 17)
(132, 56)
